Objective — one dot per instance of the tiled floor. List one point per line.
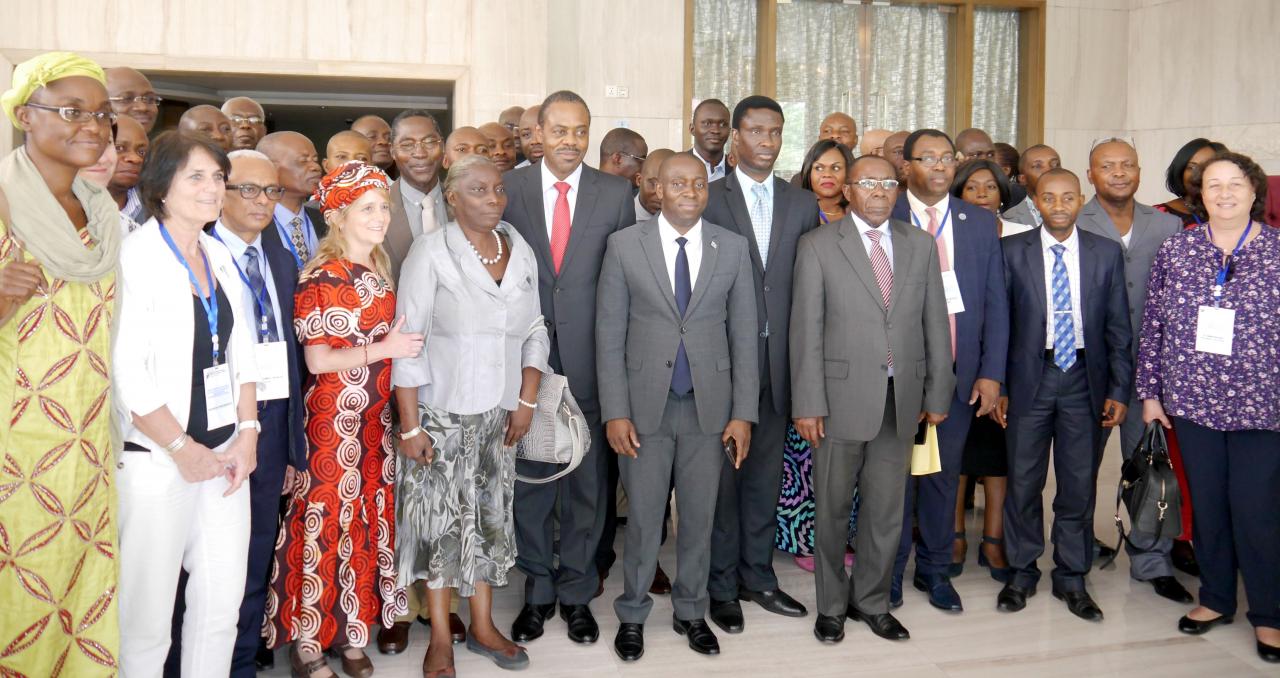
(1138, 636)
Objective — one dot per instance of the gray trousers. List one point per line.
(878, 469)
(1151, 558)
(681, 450)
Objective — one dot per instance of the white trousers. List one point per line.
(167, 525)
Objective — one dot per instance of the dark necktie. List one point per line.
(681, 377)
(253, 271)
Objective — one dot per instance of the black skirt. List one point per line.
(984, 450)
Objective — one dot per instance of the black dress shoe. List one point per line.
(629, 643)
(1168, 587)
(829, 629)
(883, 625)
(265, 659)
(1013, 598)
(1195, 627)
(394, 639)
(1103, 552)
(582, 626)
(528, 624)
(1080, 604)
(775, 601)
(1268, 653)
(727, 615)
(1184, 557)
(701, 638)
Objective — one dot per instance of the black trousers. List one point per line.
(1234, 478)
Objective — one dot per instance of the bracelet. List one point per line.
(411, 433)
(532, 406)
(250, 424)
(366, 354)
(177, 443)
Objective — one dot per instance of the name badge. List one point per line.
(219, 409)
(273, 370)
(1215, 330)
(951, 288)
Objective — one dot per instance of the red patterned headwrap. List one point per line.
(345, 184)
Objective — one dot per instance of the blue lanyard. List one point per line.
(287, 236)
(211, 303)
(941, 227)
(1225, 266)
(822, 215)
(262, 302)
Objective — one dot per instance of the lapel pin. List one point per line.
(963, 216)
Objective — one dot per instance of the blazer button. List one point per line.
(884, 368)
(888, 326)
(767, 288)
(763, 335)
(668, 363)
(557, 290)
(684, 330)
(1130, 285)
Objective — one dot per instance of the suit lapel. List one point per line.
(531, 195)
(736, 199)
(1035, 265)
(901, 259)
(856, 253)
(1141, 224)
(706, 269)
(651, 243)
(1088, 268)
(585, 205)
(399, 235)
(469, 265)
(781, 201)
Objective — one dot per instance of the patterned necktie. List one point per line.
(429, 224)
(944, 260)
(298, 239)
(560, 225)
(681, 376)
(884, 273)
(762, 220)
(1064, 326)
(253, 271)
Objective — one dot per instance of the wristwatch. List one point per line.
(250, 424)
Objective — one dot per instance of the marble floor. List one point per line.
(1138, 636)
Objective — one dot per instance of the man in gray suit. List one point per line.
(417, 203)
(870, 359)
(676, 347)
(566, 211)
(1140, 229)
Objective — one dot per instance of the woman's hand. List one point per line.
(197, 463)
(240, 459)
(517, 424)
(1152, 410)
(21, 279)
(418, 448)
(399, 344)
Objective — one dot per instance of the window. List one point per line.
(724, 50)
(996, 73)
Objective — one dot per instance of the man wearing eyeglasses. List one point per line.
(622, 152)
(253, 189)
(248, 122)
(968, 251)
(974, 144)
(510, 118)
(131, 94)
(417, 203)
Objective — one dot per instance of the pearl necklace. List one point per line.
(488, 262)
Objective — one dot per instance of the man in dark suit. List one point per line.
(566, 212)
(772, 215)
(301, 227)
(973, 274)
(1069, 377)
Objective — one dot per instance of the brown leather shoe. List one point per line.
(360, 667)
(457, 630)
(394, 639)
(301, 669)
(661, 585)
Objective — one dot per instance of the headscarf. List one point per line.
(37, 72)
(345, 184)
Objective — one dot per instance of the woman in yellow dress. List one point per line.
(59, 247)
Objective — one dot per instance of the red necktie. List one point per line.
(560, 225)
(945, 262)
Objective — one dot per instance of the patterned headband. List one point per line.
(345, 184)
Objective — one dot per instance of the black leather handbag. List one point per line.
(1149, 491)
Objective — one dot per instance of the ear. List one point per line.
(24, 117)
(659, 193)
(637, 180)
(847, 191)
(326, 165)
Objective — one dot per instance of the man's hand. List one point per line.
(622, 437)
(986, 390)
(932, 417)
(739, 432)
(1113, 413)
(811, 429)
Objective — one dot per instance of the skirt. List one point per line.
(796, 505)
(984, 450)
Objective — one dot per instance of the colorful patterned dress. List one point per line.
(334, 572)
(57, 498)
(795, 499)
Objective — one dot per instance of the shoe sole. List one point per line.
(828, 641)
(1207, 626)
(497, 658)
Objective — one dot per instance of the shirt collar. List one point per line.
(641, 212)
(416, 197)
(918, 206)
(549, 180)
(863, 226)
(748, 184)
(719, 165)
(668, 233)
(1072, 243)
(233, 241)
(284, 216)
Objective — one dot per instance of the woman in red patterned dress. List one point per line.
(334, 573)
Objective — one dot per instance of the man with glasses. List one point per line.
(301, 226)
(710, 130)
(969, 255)
(248, 122)
(510, 118)
(131, 94)
(622, 152)
(417, 203)
(974, 144)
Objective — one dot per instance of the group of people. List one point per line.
(262, 397)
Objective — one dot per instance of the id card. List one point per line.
(273, 370)
(219, 409)
(1215, 330)
(951, 288)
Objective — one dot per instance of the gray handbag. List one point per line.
(558, 433)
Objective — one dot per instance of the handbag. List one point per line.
(558, 433)
(1149, 490)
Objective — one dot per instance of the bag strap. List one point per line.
(579, 451)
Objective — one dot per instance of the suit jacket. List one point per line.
(841, 332)
(318, 223)
(1105, 313)
(400, 235)
(284, 273)
(1150, 228)
(982, 331)
(795, 212)
(639, 330)
(1020, 213)
(604, 205)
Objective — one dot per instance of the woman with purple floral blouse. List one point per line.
(1209, 365)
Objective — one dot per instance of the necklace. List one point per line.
(496, 258)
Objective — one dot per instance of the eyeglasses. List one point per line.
(252, 119)
(637, 158)
(930, 161)
(871, 184)
(425, 144)
(77, 115)
(251, 191)
(148, 99)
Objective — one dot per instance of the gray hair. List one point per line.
(248, 153)
(462, 169)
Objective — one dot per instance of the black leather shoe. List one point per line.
(1080, 604)
(829, 629)
(582, 626)
(701, 638)
(1184, 557)
(776, 601)
(942, 594)
(1168, 587)
(265, 659)
(727, 615)
(1103, 552)
(1268, 653)
(629, 643)
(883, 625)
(528, 624)
(1195, 627)
(1013, 598)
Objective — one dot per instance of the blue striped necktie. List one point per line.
(1064, 326)
(253, 271)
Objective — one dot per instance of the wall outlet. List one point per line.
(615, 92)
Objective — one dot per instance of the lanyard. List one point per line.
(211, 303)
(261, 302)
(286, 234)
(941, 226)
(1225, 266)
(823, 216)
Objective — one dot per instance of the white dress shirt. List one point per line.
(237, 248)
(714, 172)
(1008, 228)
(921, 219)
(550, 193)
(1071, 258)
(670, 248)
(749, 197)
(886, 240)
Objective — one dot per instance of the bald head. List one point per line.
(893, 153)
(296, 160)
(621, 152)
(248, 122)
(510, 118)
(125, 85)
(975, 143)
(1034, 162)
(841, 128)
(465, 141)
(873, 142)
(378, 132)
(502, 145)
(207, 122)
(530, 143)
(648, 179)
(344, 147)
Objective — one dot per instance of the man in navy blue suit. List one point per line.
(1069, 377)
(973, 277)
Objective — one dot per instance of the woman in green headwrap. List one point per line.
(59, 248)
